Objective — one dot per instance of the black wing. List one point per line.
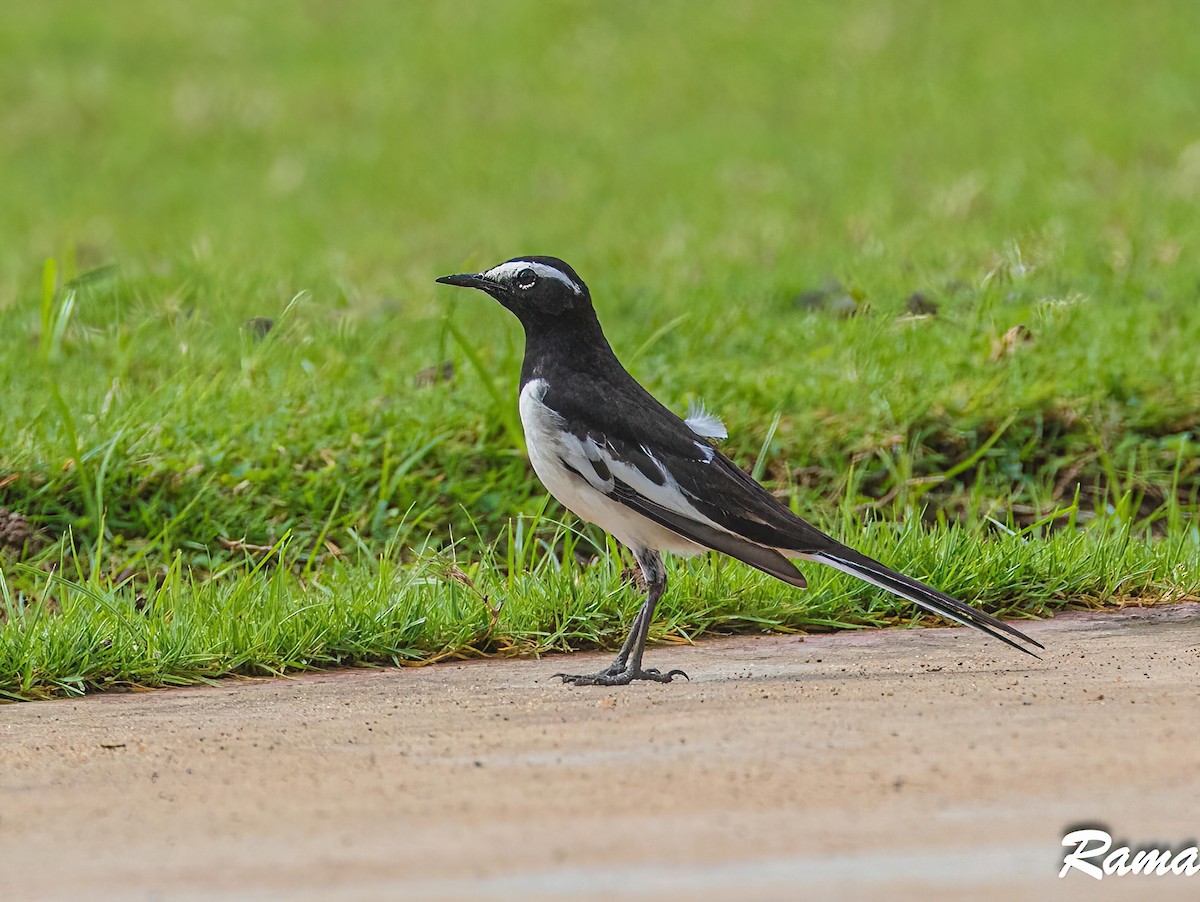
(633, 427)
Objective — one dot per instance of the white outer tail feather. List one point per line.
(858, 573)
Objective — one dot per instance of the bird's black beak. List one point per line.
(469, 280)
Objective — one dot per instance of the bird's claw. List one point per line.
(655, 674)
(621, 678)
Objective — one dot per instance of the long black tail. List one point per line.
(850, 561)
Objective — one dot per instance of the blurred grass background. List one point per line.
(732, 180)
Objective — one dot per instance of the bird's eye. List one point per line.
(526, 278)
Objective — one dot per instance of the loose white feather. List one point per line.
(705, 423)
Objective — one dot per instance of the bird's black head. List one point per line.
(531, 287)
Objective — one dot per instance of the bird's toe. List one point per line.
(620, 678)
(658, 676)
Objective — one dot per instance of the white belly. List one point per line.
(547, 449)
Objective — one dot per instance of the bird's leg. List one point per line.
(637, 577)
(637, 631)
(635, 636)
(627, 666)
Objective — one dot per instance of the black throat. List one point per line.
(568, 343)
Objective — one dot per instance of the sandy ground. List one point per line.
(904, 764)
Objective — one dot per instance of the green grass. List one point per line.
(707, 168)
(525, 595)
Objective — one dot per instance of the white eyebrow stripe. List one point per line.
(506, 271)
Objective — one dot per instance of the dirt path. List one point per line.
(927, 763)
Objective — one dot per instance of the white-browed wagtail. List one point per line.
(613, 455)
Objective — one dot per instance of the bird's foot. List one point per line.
(621, 677)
